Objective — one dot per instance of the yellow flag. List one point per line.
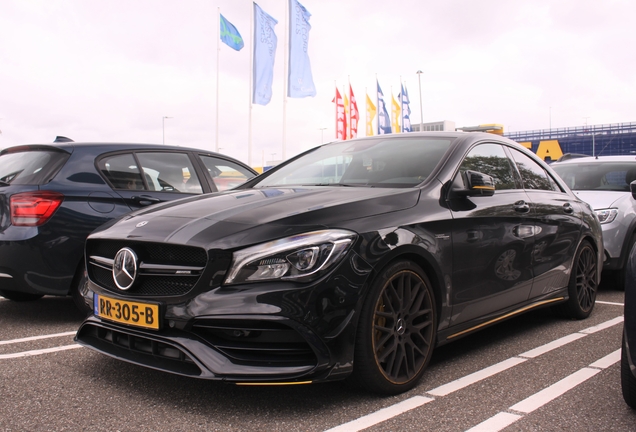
(395, 115)
(371, 111)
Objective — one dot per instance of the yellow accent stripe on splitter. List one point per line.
(274, 383)
(508, 315)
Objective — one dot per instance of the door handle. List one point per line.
(145, 200)
(521, 207)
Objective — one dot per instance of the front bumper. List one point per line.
(253, 333)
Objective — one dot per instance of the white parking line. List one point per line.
(382, 415)
(536, 352)
(32, 338)
(603, 326)
(548, 394)
(38, 352)
(610, 303)
(501, 419)
(475, 377)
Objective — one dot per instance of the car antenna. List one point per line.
(61, 138)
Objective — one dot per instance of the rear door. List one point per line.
(150, 177)
(557, 225)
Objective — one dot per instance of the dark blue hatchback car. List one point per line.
(53, 195)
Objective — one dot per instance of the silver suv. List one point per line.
(603, 182)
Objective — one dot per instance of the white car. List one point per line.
(603, 182)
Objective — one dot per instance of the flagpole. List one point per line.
(377, 101)
(335, 99)
(366, 106)
(218, 50)
(401, 106)
(285, 73)
(249, 129)
(349, 108)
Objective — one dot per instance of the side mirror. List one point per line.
(476, 184)
(632, 188)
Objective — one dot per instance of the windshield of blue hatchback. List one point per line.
(382, 162)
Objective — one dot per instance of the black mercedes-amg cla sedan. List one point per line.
(354, 259)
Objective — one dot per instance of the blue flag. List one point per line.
(406, 110)
(300, 81)
(384, 121)
(230, 35)
(264, 52)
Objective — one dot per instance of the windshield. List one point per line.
(614, 176)
(381, 162)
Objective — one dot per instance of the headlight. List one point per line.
(301, 257)
(606, 215)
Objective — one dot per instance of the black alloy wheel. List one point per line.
(397, 330)
(583, 287)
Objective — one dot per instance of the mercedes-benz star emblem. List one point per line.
(125, 268)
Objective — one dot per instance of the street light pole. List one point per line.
(163, 127)
(322, 134)
(419, 81)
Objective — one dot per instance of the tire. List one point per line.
(582, 287)
(20, 296)
(79, 287)
(396, 331)
(628, 381)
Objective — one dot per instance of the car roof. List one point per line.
(106, 146)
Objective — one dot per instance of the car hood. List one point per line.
(602, 199)
(237, 218)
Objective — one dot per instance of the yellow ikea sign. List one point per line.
(548, 148)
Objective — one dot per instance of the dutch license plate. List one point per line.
(136, 314)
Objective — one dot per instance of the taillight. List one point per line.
(34, 208)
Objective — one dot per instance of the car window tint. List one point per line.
(533, 175)
(225, 175)
(169, 172)
(598, 175)
(121, 171)
(491, 159)
(30, 167)
(381, 162)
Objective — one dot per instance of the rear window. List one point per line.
(34, 167)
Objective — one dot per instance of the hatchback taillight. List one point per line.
(34, 208)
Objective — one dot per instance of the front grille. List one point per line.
(150, 252)
(138, 349)
(256, 343)
(147, 286)
(164, 269)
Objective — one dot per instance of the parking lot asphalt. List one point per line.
(534, 372)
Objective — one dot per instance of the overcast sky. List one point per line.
(111, 70)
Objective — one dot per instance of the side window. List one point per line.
(121, 171)
(491, 159)
(532, 174)
(169, 172)
(225, 174)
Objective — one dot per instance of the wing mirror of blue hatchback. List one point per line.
(476, 184)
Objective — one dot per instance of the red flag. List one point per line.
(354, 114)
(341, 122)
